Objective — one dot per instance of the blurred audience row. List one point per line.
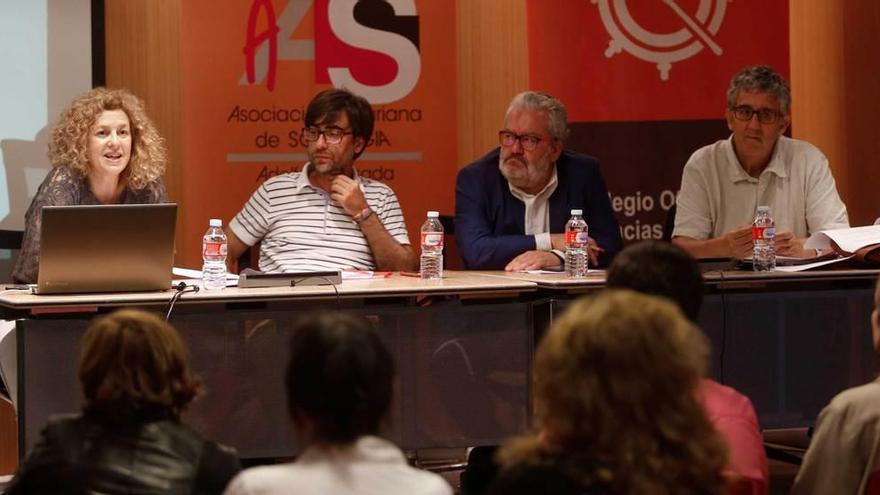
(621, 402)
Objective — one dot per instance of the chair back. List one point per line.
(10, 245)
(669, 224)
(873, 486)
(746, 486)
(451, 259)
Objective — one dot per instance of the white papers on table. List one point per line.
(849, 240)
(557, 272)
(357, 274)
(807, 266)
(194, 277)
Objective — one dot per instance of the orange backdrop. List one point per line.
(241, 128)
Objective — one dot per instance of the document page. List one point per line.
(849, 240)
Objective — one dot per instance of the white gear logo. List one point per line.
(669, 47)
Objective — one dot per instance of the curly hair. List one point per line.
(69, 144)
(134, 365)
(615, 383)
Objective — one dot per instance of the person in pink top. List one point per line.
(663, 269)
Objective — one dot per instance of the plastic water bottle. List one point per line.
(576, 237)
(763, 235)
(214, 256)
(431, 261)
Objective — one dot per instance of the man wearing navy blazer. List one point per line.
(511, 205)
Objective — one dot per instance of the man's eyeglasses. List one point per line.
(333, 135)
(765, 115)
(527, 142)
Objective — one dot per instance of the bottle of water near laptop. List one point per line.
(431, 262)
(763, 235)
(576, 245)
(214, 256)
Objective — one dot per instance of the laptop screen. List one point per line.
(106, 248)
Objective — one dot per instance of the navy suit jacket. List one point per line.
(490, 221)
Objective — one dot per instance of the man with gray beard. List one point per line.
(512, 204)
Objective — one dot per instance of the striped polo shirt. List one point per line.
(302, 229)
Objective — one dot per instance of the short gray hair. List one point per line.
(556, 114)
(764, 79)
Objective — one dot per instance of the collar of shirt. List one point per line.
(303, 179)
(367, 448)
(537, 217)
(737, 173)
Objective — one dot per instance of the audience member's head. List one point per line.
(661, 269)
(614, 393)
(339, 380)
(134, 365)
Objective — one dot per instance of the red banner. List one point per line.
(645, 84)
(250, 69)
(651, 60)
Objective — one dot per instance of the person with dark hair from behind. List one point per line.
(845, 447)
(663, 269)
(615, 406)
(136, 381)
(339, 391)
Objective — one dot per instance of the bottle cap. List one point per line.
(577, 212)
(433, 214)
(763, 209)
(215, 222)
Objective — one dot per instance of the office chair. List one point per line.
(10, 245)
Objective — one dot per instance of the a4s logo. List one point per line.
(368, 46)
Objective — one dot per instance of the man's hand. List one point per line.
(739, 242)
(787, 244)
(346, 191)
(533, 260)
(593, 249)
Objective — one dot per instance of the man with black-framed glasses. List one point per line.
(511, 205)
(723, 184)
(326, 217)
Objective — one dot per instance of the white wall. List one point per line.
(45, 61)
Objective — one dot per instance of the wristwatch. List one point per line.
(363, 215)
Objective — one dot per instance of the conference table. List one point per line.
(463, 347)
(790, 341)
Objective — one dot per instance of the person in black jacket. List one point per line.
(129, 438)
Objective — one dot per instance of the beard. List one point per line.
(525, 175)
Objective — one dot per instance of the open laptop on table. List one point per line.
(106, 248)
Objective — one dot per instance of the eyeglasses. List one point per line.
(765, 115)
(333, 135)
(527, 142)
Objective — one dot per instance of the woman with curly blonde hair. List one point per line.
(616, 407)
(104, 150)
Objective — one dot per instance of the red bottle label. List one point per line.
(572, 237)
(763, 233)
(432, 239)
(213, 248)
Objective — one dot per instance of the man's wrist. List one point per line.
(559, 254)
(362, 215)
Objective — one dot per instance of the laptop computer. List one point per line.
(106, 248)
